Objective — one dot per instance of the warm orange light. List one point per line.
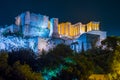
(69, 30)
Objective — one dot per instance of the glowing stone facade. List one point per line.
(74, 30)
(39, 32)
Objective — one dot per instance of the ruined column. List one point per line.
(18, 27)
(45, 22)
(54, 28)
(27, 23)
(17, 21)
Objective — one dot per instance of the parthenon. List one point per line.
(72, 30)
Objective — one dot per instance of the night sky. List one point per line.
(105, 11)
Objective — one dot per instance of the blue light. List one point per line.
(51, 27)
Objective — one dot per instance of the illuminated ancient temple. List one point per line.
(45, 33)
(69, 30)
(32, 22)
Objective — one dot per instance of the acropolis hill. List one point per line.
(41, 33)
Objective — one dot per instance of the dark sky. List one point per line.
(105, 11)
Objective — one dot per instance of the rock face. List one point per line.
(37, 44)
(12, 43)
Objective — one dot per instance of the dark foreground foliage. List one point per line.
(16, 70)
(62, 63)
